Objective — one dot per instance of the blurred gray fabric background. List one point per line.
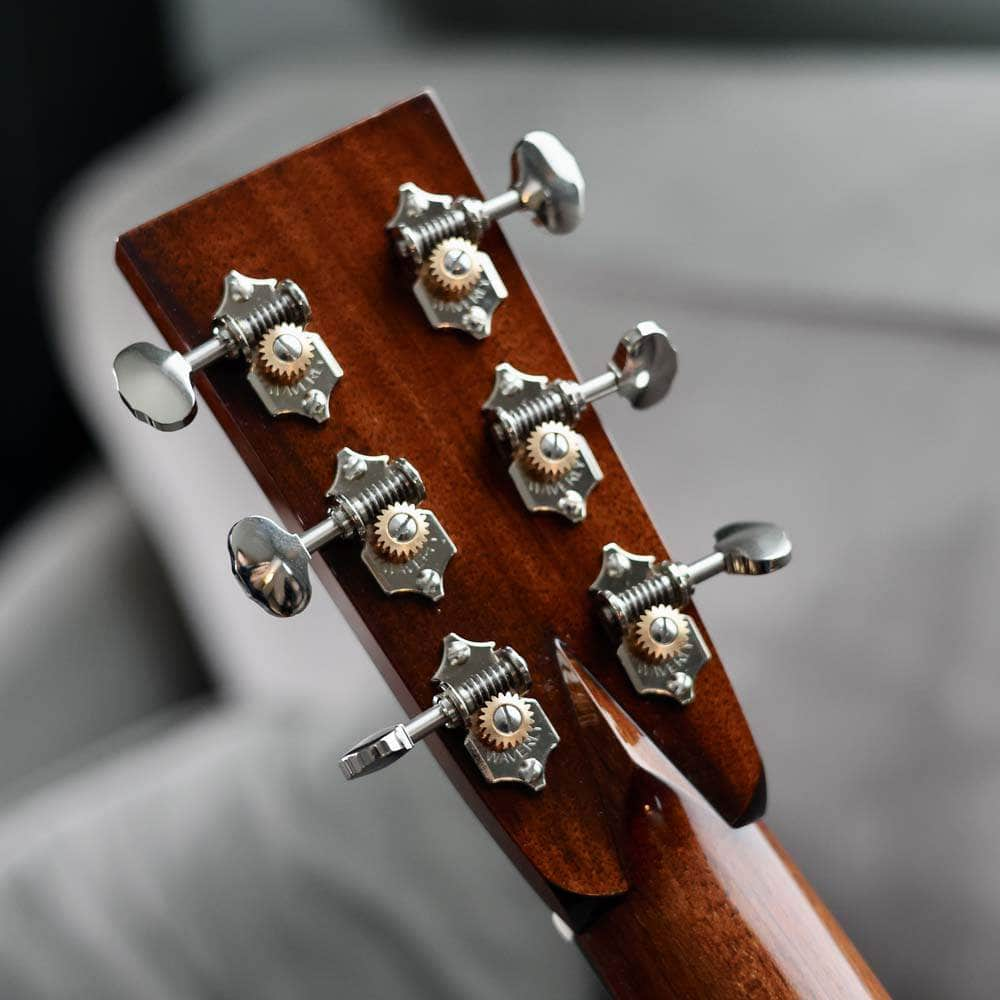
(819, 233)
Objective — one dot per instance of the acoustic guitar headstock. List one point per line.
(443, 532)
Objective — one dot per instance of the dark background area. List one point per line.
(78, 78)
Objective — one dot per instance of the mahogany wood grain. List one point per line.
(704, 897)
(318, 216)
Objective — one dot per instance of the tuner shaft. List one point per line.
(501, 205)
(326, 531)
(598, 387)
(705, 568)
(204, 354)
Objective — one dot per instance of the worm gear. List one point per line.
(400, 532)
(661, 633)
(285, 353)
(552, 449)
(505, 721)
(453, 268)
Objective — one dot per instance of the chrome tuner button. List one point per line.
(262, 319)
(373, 499)
(457, 284)
(480, 689)
(532, 420)
(639, 599)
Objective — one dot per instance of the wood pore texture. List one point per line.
(712, 911)
(318, 217)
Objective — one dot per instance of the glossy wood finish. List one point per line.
(317, 216)
(704, 897)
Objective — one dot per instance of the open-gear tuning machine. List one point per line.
(638, 600)
(532, 420)
(373, 499)
(262, 319)
(457, 285)
(480, 689)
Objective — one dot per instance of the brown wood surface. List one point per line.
(318, 217)
(712, 911)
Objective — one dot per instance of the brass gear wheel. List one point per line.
(552, 449)
(400, 531)
(452, 269)
(505, 721)
(661, 633)
(285, 353)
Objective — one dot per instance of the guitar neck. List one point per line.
(711, 911)
(632, 840)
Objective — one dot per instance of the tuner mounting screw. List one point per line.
(680, 687)
(638, 600)
(242, 287)
(353, 466)
(372, 499)
(458, 286)
(476, 321)
(532, 420)
(530, 771)
(615, 565)
(316, 405)
(457, 651)
(429, 584)
(509, 381)
(481, 689)
(572, 506)
(263, 320)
